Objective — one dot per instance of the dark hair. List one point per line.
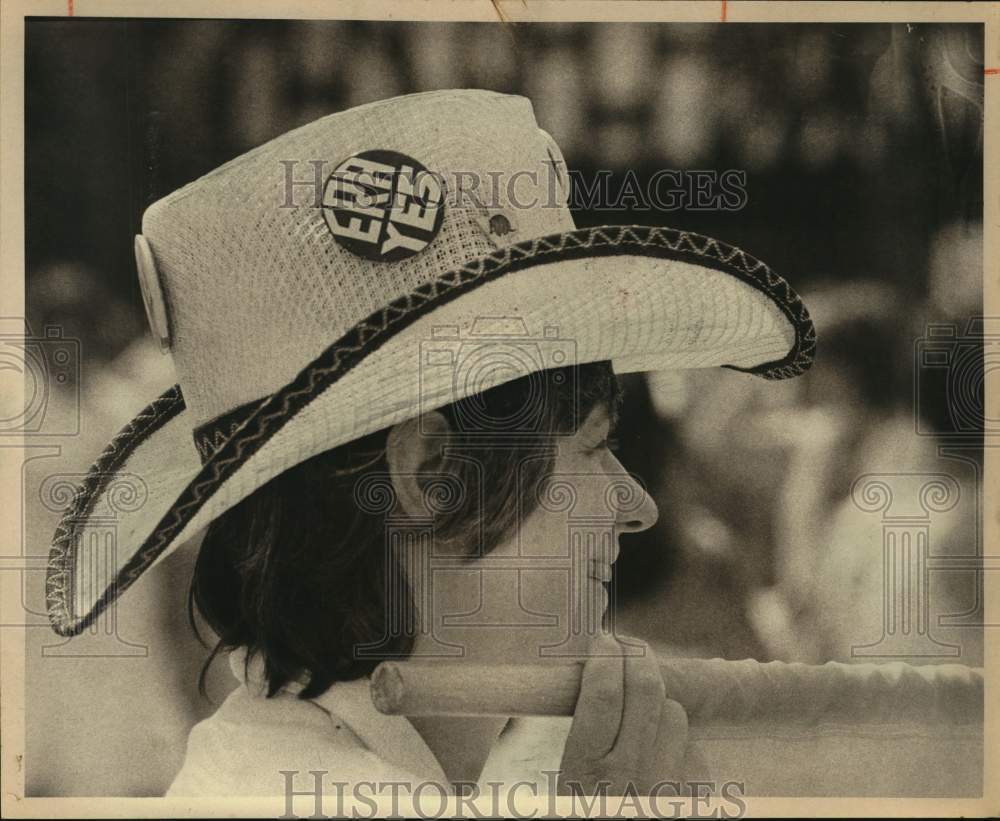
(298, 571)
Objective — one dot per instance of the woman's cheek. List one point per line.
(543, 533)
(531, 604)
(531, 585)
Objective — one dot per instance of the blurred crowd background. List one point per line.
(862, 148)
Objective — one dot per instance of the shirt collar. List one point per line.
(392, 738)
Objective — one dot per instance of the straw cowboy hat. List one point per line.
(363, 269)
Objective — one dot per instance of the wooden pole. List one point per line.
(710, 690)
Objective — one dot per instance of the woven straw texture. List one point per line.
(250, 280)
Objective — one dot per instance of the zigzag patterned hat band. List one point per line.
(299, 323)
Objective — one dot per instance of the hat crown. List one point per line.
(257, 282)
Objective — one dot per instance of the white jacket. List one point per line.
(242, 749)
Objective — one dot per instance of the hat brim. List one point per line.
(645, 298)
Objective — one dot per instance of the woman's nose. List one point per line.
(637, 510)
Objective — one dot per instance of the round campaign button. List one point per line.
(383, 205)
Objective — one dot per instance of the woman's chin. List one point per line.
(528, 629)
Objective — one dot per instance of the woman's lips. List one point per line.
(601, 558)
(600, 571)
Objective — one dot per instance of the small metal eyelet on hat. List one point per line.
(500, 225)
(497, 225)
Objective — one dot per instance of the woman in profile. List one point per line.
(401, 394)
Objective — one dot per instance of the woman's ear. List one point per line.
(412, 450)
